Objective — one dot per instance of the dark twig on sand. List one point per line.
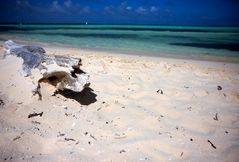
(160, 91)
(181, 154)
(70, 139)
(35, 122)
(216, 117)
(35, 114)
(1, 102)
(122, 151)
(16, 138)
(93, 137)
(211, 144)
(219, 88)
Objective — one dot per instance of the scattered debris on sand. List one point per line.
(160, 91)
(219, 88)
(216, 117)
(211, 144)
(2, 102)
(69, 139)
(35, 114)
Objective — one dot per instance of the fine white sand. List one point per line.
(139, 109)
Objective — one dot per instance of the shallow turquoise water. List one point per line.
(135, 39)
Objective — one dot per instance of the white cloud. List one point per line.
(68, 3)
(86, 9)
(23, 3)
(141, 10)
(123, 4)
(68, 7)
(154, 9)
(129, 8)
(26, 5)
(56, 6)
(109, 9)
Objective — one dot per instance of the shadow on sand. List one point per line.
(86, 97)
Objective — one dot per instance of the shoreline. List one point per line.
(207, 58)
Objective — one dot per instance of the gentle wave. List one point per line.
(123, 27)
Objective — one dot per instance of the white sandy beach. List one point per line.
(140, 109)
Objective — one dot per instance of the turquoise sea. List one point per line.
(133, 39)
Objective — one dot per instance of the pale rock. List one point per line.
(62, 72)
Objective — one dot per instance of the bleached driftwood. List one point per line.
(62, 72)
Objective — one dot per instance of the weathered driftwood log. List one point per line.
(62, 72)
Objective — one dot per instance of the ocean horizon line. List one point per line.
(136, 24)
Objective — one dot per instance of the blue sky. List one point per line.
(169, 12)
